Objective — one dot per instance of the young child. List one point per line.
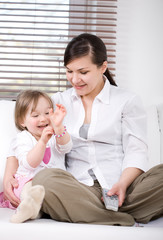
(42, 143)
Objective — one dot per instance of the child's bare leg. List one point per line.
(29, 208)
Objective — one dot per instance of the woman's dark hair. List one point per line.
(84, 44)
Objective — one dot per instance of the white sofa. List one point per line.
(49, 229)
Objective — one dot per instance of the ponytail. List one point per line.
(109, 77)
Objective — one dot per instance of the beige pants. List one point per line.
(68, 200)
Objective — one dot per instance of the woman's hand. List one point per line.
(127, 177)
(118, 189)
(8, 186)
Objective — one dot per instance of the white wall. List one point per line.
(140, 48)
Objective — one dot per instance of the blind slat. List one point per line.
(72, 24)
(69, 12)
(47, 41)
(49, 48)
(62, 17)
(43, 35)
(109, 3)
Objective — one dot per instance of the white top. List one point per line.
(24, 142)
(116, 136)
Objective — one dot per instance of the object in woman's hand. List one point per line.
(111, 202)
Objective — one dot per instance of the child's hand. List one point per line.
(46, 134)
(8, 191)
(57, 116)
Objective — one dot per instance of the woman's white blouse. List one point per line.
(116, 136)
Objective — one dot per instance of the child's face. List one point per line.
(37, 120)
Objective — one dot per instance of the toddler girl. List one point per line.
(42, 143)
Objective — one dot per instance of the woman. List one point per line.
(108, 129)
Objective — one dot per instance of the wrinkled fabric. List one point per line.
(22, 181)
(5, 203)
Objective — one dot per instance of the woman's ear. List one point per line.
(104, 66)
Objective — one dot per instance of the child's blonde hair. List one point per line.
(23, 101)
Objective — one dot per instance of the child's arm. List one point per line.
(56, 117)
(36, 154)
(9, 182)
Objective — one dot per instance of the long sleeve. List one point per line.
(134, 136)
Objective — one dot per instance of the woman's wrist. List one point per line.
(129, 175)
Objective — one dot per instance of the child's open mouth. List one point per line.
(43, 126)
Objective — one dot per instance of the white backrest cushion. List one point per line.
(7, 132)
(153, 136)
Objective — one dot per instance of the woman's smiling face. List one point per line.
(85, 76)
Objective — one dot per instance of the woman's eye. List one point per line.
(84, 72)
(47, 113)
(69, 71)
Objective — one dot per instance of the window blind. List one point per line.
(34, 34)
